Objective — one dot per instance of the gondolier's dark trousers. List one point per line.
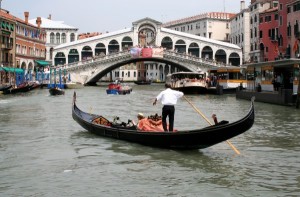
(168, 110)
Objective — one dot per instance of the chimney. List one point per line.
(242, 5)
(26, 14)
(49, 17)
(39, 22)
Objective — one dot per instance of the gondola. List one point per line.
(5, 87)
(56, 91)
(188, 139)
(24, 87)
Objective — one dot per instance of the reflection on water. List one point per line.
(44, 152)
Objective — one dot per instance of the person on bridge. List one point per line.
(169, 99)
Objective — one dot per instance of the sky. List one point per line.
(112, 15)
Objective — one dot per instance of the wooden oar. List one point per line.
(199, 112)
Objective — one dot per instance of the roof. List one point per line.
(51, 24)
(93, 38)
(7, 15)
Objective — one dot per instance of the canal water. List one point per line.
(44, 152)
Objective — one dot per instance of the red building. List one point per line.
(268, 34)
(293, 29)
(282, 29)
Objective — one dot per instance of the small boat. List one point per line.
(118, 88)
(5, 87)
(56, 91)
(188, 82)
(24, 87)
(185, 139)
(143, 82)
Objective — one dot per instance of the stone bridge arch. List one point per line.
(99, 73)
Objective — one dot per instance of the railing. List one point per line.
(168, 54)
(7, 45)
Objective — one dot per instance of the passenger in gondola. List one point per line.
(140, 116)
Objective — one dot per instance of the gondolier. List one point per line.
(169, 99)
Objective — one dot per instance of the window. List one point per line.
(260, 34)
(72, 38)
(52, 38)
(63, 38)
(57, 38)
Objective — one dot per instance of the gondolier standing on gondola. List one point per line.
(169, 99)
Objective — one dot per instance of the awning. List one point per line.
(10, 69)
(42, 62)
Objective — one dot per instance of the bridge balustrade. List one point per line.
(168, 54)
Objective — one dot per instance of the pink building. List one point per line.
(268, 34)
(293, 30)
(282, 29)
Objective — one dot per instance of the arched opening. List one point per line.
(57, 38)
(73, 56)
(207, 53)
(100, 50)
(23, 65)
(86, 53)
(113, 47)
(167, 43)
(147, 35)
(51, 53)
(220, 56)
(234, 59)
(194, 49)
(126, 43)
(60, 59)
(180, 46)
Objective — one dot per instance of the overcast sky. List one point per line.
(112, 15)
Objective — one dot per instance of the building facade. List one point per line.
(256, 7)
(213, 25)
(240, 31)
(293, 29)
(7, 39)
(268, 34)
(30, 44)
(56, 33)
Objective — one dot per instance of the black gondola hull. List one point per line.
(193, 139)
(56, 91)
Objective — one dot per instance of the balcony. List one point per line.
(7, 46)
(274, 39)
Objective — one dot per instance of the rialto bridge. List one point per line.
(90, 59)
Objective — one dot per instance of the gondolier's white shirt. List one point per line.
(169, 96)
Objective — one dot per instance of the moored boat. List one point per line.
(188, 82)
(5, 87)
(181, 139)
(24, 87)
(56, 91)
